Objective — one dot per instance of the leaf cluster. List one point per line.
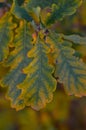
(37, 57)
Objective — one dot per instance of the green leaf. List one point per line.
(39, 84)
(75, 39)
(63, 8)
(20, 12)
(6, 35)
(70, 69)
(17, 60)
(41, 3)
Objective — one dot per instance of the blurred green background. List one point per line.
(64, 112)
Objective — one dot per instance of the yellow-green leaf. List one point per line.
(70, 70)
(6, 35)
(20, 12)
(75, 39)
(39, 85)
(17, 60)
(63, 9)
